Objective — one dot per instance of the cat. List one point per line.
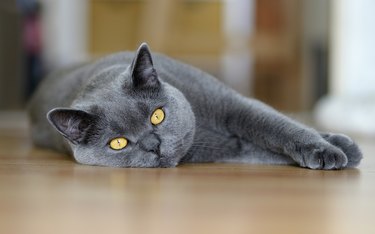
(148, 110)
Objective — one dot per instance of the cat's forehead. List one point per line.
(126, 123)
(123, 108)
(124, 117)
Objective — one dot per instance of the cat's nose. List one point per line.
(150, 143)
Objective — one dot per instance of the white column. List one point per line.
(65, 31)
(237, 62)
(350, 105)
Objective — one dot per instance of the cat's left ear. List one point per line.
(72, 124)
(142, 69)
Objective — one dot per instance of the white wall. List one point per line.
(237, 62)
(350, 107)
(65, 27)
(353, 48)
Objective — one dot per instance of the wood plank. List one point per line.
(45, 192)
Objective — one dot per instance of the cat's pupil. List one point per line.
(118, 143)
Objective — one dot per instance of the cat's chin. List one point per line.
(169, 157)
(166, 163)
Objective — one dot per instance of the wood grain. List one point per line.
(45, 192)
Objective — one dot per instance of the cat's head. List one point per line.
(128, 118)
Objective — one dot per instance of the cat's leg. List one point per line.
(212, 146)
(259, 124)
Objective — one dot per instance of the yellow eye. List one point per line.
(118, 143)
(157, 117)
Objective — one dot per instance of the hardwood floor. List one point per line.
(45, 192)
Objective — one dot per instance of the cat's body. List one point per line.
(205, 121)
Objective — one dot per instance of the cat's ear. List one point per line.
(72, 124)
(142, 69)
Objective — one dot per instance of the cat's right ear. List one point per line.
(142, 69)
(72, 124)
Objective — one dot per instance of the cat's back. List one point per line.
(170, 70)
(57, 90)
(62, 88)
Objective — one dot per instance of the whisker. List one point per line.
(206, 147)
(205, 144)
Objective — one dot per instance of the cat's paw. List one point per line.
(347, 145)
(323, 155)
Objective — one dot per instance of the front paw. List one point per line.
(347, 145)
(323, 155)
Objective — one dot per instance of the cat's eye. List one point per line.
(157, 117)
(118, 143)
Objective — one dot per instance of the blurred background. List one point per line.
(299, 56)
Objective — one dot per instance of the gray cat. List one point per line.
(127, 110)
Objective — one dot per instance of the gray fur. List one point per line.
(205, 121)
